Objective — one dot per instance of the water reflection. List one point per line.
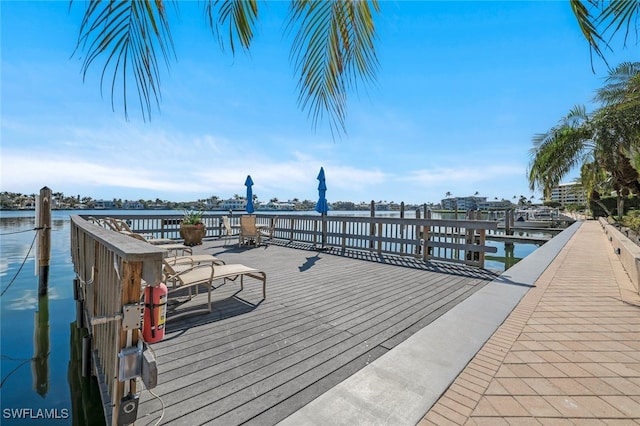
(46, 318)
(11, 223)
(40, 361)
(28, 301)
(86, 405)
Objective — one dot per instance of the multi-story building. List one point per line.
(234, 204)
(495, 205)
(104, 204)
(135, 205)
(569, 193)
(462, 203)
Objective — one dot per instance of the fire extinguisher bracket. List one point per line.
(131, 316)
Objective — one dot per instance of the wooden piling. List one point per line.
(44, 239)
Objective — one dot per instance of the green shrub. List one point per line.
(632, 220)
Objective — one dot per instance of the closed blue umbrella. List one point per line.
(322, 206)
(249, 183)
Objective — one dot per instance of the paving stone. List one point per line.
(569, 353)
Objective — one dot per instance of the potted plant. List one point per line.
(192, 229)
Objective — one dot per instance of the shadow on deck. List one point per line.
(327, 315)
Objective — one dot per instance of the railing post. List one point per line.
(418, 236)
(372, 227)
(402, 228)
(131, 284)
(483, 240)
(315, 232)
(292, 228)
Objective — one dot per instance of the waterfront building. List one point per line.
(462, 203)
(134, 205)
(495, 205)
(569, 193)
(279, 205)
(234, 204)
(105, 204)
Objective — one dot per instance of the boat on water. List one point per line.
(540, 217)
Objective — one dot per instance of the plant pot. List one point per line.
(192, 234)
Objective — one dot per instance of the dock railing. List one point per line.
(460, 241)
(111, 269)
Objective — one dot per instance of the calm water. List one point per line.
(39, 374)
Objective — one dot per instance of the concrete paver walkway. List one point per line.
(569, 353)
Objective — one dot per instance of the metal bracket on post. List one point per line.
(131, 316)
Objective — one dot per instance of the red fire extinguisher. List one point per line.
(155, 313)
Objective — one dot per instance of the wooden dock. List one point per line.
(327, 314)
(517, 239)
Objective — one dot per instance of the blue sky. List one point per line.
(462, 88)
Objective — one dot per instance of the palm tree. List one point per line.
(602, 144)
(333, 46)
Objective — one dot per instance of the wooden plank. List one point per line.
(325, 315)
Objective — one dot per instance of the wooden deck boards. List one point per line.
(326, 315)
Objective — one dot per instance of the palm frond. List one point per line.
(238, 17)
(622, 87)
(620, 14)
(128, 34)
(332, 50)
(557, 151)
(588, 28)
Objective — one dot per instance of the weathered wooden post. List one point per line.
(372, 228)
(426, 231)
(427, 212)
(402, 228)
(44, 239)
(419, 234)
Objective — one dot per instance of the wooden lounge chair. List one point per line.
(248, 230)
(120, 225)
(228, 230)
(193, 260)
(268, 232)
(206, 274)
(168, 248)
